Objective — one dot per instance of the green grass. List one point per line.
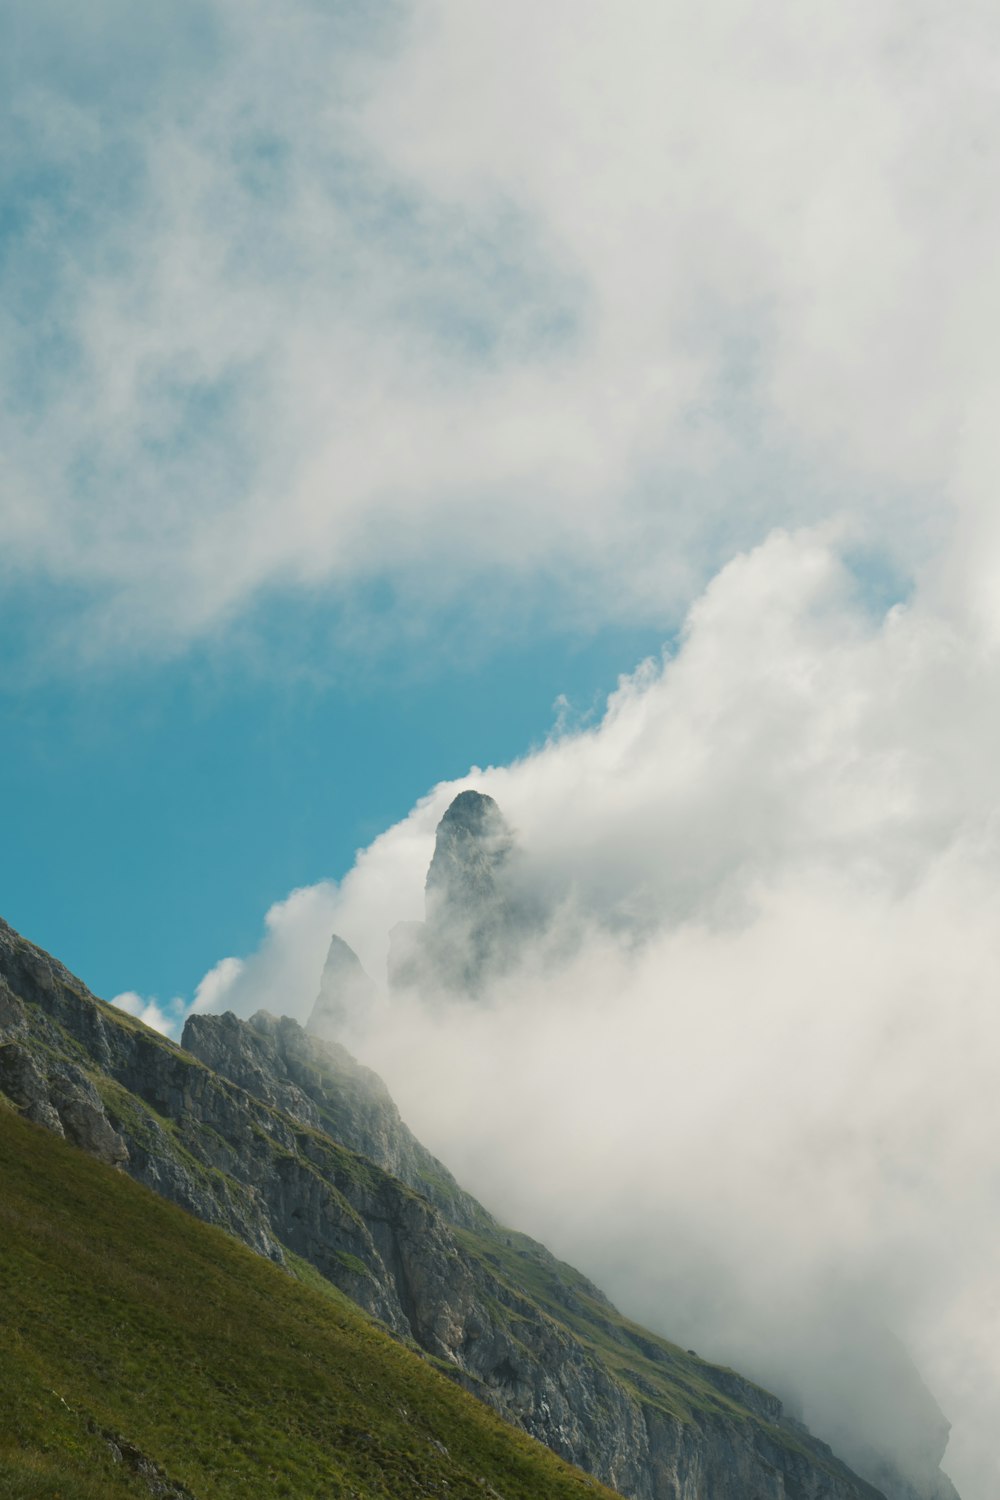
(122, 1315)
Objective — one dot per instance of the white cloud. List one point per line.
(749, 1076)
(282, 976)
(220, 982)
(166, 1019)
(572, 294)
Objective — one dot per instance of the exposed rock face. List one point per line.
(63, 1099)
(472, 847)
(321, 1086)
(243, 1135)
(345, 992)
(471, 923)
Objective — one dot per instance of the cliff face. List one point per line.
(242, 1135)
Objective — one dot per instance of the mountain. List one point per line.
(289, 1145)
(472, 921)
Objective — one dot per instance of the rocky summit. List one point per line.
(471, 924)
(345, 991)
(290, 1145)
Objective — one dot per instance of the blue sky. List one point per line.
(155, 812)
(165, 782)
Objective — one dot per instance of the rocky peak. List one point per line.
(469, 929)
(345, 992)
(472, 846)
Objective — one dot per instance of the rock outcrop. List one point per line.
(345, 992)
(471, 923)
(289, 1144)
(321, 1086)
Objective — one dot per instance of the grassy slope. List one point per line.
(119, 1311)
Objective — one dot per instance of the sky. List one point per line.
(594, 405)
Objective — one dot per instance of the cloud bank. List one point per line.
(431, 295)
(747, 1077)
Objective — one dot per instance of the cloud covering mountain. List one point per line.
(746, 1072)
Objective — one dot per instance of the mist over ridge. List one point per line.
(743, 1074)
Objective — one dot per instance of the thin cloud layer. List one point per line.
(576, 298)
(746, 1076)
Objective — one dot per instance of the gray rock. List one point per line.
(345, 993)
(472, 922)
(13, 1017)
(25, 1086)
(320, 1085)
(83, 1118)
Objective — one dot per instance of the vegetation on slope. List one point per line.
(142, 1348)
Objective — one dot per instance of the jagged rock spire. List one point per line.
(472, 847)
(468, 932)
(345, 991)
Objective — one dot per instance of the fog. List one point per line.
(745, 1075)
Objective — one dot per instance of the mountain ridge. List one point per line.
(520, 1330)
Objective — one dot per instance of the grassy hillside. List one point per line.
(124, 1321)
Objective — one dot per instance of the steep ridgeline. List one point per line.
(245, 1143)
